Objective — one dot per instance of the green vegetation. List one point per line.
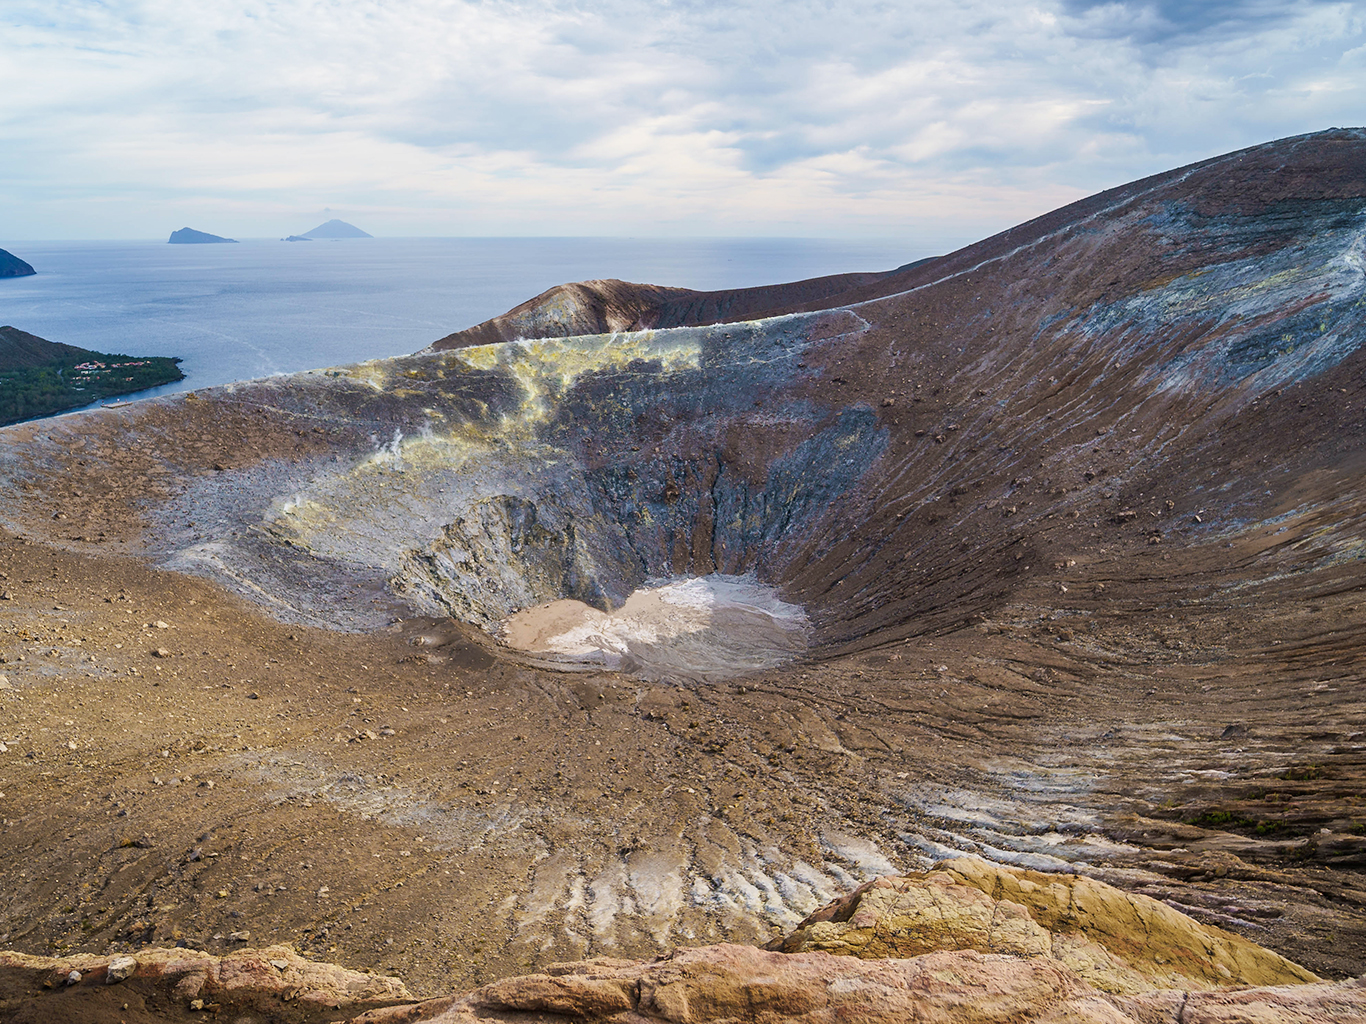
(1221, 819)
(39, 378)
(1307, 773)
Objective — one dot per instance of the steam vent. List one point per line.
(641, 619)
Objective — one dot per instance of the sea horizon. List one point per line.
(264, 307)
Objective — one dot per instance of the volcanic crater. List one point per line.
(1048, 550)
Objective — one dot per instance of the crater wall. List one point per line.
(899, 464)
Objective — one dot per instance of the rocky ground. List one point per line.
(1080, 539)
(410, 803)
(968, 942)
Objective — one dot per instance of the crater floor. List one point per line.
(710, 627)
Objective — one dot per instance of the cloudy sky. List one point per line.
(945, 120)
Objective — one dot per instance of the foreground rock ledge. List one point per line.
(1115, 941)
(711, 985)
(271, 984)
(968, 941)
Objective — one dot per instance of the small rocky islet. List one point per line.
(335, 229)
(189, 236)
(12, 266)
(331, 229)
(1075, 734)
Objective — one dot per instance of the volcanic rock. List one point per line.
(121, 968)
(275, 982)
(13, 266)
(717, 984)
(726, 983)
(1115, 941)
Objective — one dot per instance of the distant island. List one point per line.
(297, 238)
(189, 236)
(332, 229)
(12, 266)
(40, 377)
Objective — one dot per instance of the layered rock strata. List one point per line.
(918, 955)
(1114, 941)
(731, 984)
(273, 983)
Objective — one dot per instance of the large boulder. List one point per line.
(1115, 941)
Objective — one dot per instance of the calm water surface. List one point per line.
(262, 307)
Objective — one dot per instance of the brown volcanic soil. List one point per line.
(121, 841)
(1099, 601)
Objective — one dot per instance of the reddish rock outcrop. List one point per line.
(717, 984)
(724, 984)
(274, 984)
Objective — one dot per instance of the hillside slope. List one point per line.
(42, 378)
(1076, 515)
(603, 307)
(21, 350)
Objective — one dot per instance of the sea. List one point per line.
(262, 307)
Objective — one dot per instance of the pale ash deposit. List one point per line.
(713, 626)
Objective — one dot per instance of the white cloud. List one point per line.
(940, 121)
